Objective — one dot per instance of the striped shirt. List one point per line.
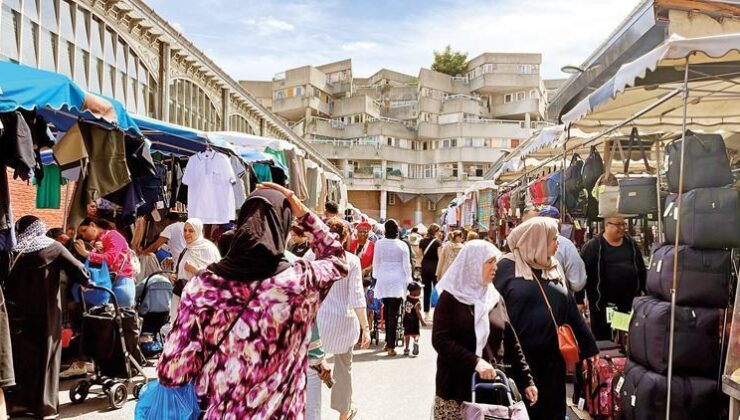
(339, 327)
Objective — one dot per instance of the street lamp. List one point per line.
(570, 69)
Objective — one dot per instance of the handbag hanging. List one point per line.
(637, 195)
(606, 189)
(566, 338)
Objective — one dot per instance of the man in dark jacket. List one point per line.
(616, 274)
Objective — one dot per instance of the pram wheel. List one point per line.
(117, 395)
(137, 390)
(78, 393)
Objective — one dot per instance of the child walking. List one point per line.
(412, 318)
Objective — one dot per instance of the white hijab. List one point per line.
(464, 281)
(201, 251)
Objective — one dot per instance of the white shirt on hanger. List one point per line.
(210, 179)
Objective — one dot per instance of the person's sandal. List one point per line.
(416, 349)
(352, 413)
(406, 352)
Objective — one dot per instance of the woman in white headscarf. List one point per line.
(199, 252)
(471, 330)
(524, 277)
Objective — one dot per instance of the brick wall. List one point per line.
(23, 202)
(367, 201)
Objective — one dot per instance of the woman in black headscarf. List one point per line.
(34, 305)
(242, 323)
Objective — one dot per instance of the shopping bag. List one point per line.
(100, 277)
(157, 402)
(435, 297)
(473, 411)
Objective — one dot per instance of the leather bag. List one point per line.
(566, 338)
(637, 195)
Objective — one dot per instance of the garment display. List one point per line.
(264, 174)
(312, 178)
(485, 209)
(48, 193)
(70, 149)
(278, 175)
(105, 172)
(240, 188)
(297, 174)
(210, 178)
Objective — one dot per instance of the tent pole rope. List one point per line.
(678, 233)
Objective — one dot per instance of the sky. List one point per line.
(254, 39)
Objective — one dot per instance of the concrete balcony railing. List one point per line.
(366, 150)
(410, 185)
(529, 106)
(477, 128)
(294, 107)
(503, 82)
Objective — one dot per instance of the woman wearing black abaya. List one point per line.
(523, 275)
(33, 302)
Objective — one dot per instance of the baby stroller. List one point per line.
(497, 399)
(374, 307)
(153, 300)
(110, 336)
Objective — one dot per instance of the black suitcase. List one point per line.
(644, 396)
(638, 195)
(710, 218)
(706, 164)
(703, 276)
(696, 347)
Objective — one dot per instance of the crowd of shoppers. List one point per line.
(295, 283)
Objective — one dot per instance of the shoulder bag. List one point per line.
(179, 283)
(429, 246)
(637, 195)
(566, 338)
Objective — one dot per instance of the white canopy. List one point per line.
(651, 86)
(249, 141)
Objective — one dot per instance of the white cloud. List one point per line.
(269, 25)
(358, 46)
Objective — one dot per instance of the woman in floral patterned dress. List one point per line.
(259, 370)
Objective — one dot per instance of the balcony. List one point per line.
(375, 151)
(517, 109)
(295, 108)
(445, 185)
(476, 128)
(503, 82)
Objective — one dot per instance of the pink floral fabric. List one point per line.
(259, 372)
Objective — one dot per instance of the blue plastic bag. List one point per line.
(435, 297)
(99, 277)
(157, 402)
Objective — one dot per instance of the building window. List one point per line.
(431, 206)
(520, 96)
(299, 91)
(508, 98)
(10, 33)
(30, 35)
(514, 143)
(279, 94)
(391, 198)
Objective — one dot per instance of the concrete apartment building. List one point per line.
(409, 144)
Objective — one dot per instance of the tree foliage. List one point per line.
(450, 62)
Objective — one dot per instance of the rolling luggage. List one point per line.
(706, 164)
(644, 396)
(710, 218)
(696, 349)
(703, 276)
(601, 381)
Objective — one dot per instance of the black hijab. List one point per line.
(257, 249)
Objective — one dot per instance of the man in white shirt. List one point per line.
(172, 235)
(567, 255)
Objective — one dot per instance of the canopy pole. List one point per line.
(659, 145)
(678, 233)
(562, 178)
(66, 207)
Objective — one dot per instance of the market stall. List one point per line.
(683, 97)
